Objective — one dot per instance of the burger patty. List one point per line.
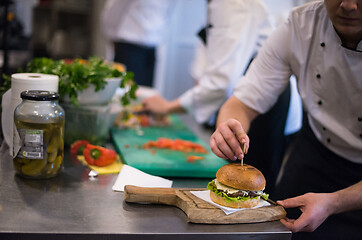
(242, 193)
(237, 194)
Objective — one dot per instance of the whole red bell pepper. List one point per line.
(99, 156)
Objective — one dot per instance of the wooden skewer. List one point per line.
(242, 160)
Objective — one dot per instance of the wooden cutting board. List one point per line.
(196, 209)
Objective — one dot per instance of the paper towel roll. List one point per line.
(11, 99)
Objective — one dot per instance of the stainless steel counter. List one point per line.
(72, 206)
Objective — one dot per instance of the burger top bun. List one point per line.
(244, 177)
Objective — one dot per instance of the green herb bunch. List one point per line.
(76, 75)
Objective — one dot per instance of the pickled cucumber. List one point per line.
(44, 158)
(55, 140)
(34, 167)
(57, 164)
(53, 145)
(52, 156)
(53, 168)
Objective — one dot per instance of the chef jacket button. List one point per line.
(323, 44)
(324, 128)
(318, 76)
(360, 135)
(359, 119)
(328, 140)
(320, 102)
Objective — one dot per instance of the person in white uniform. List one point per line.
(320, 44)
(136, 28)
(236, 29)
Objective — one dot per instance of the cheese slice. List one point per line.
(231, 190)
(227, 189)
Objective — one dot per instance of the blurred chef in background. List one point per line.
(321, 45)
(136, 28)
(236, 29)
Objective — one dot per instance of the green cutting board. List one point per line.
(164, 162)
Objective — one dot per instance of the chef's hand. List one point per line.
(160, 106)
(156, 105)
(315, 207)
(227, 140)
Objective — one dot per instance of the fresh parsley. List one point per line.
(76, 75)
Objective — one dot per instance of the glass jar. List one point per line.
(38, 135)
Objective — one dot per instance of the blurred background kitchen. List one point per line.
(72, 28)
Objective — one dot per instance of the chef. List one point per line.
(320, 44)
(236, 29)
(136, 28)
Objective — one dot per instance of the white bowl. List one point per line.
(90, 97)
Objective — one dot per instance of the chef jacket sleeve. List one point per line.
(232, 40)
(270, 71)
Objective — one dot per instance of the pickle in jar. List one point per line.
(42, 146)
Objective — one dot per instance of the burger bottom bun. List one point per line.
(234, 204)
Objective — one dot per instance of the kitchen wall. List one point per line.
(177, 52)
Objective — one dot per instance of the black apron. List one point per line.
(138, 59)
(311, 167)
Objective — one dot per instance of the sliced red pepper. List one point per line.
(99, 156)
(77, 147)
(177, 145)
(192, 158)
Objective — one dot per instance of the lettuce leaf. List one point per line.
(212, 187)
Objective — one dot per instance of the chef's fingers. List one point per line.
(292, 202)
(294, 225)
(287, 220)
(289, 223)
(227, 141)
(232, 146)
(242, 137)
(145, 104)
(237, 138)
(219, 147)
(306, 222)
(302, 224)
(244, 142)
(217, 151)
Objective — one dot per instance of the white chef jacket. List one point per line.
(138, 21)
(328, 75)
(237, 29)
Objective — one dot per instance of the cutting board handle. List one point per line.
(150, 195)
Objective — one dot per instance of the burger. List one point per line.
(237, 186)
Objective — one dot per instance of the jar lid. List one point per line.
(39, 95)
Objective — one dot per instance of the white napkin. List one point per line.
(205, 195)
(132, 176)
